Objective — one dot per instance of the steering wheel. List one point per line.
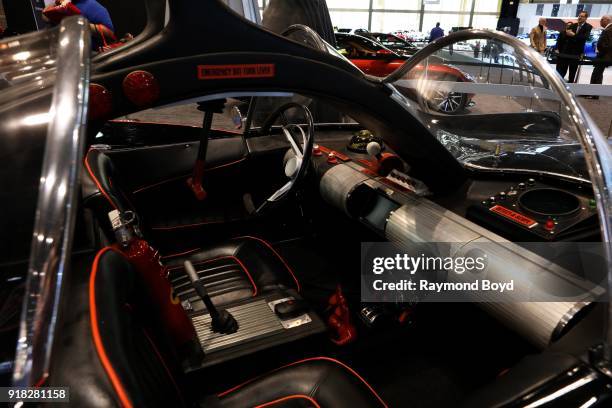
(297, 165)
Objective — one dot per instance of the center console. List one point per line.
(261, 325)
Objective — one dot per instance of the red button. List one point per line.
(549, 225)
(331, 159)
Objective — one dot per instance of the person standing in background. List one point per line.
(436, 33)
(604, 51)
(100, 22)
(537, 36)
(571, 46)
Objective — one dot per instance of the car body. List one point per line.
(375, 59)
(104, 305)
(412, 35)
(395, 43)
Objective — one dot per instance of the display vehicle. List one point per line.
(147, 261)
(396, 43)
(373, 58)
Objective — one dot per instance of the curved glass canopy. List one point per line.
(44, 81)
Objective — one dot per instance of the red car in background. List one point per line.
(375, 59)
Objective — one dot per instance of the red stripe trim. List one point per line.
(95, 332)
(287, 398)
(219, 258)
(41, 381)
(187, 225)
(220, 166)
(96, 182)
(297, 283)
(224, 393)
(179, 253)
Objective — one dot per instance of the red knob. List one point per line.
(331, 159)
(549, 225)
(316, 151)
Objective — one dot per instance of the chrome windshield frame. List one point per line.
(598, 153)
(57, 204)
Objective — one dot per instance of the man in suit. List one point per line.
(571, 46)
(604, 51)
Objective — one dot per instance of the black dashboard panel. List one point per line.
(531, 210)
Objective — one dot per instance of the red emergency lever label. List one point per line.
(514, 216)
(236, 71)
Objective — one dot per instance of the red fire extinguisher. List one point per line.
(146, 260)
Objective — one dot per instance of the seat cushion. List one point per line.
(314, 382)
(237, 269)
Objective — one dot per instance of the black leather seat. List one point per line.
(110, 354)
(237, 269)
(233, 270)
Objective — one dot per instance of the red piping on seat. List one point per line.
(219, 258)
(97, 183)
(287, 398)
(297, 283)
(149, 186)
(179, 253)
(41, 381)
(237, 387)
(95, 331)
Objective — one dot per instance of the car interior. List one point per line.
(214, 262)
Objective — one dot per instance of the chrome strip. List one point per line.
(57, 203)
(598, 153)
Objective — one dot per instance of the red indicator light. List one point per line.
(100, 102)
(141, 88)
(549, 225)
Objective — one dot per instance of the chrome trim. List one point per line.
(57, 203)
(598, 153)
(567, 177)
(567, 317)
(563, 390)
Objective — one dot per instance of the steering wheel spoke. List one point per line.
(296, 167)
(294, 146)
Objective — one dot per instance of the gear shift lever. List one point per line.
(222, 321)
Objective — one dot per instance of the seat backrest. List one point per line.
(108, 352)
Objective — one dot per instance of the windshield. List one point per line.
(488, 105)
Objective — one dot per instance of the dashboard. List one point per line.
(516, 207)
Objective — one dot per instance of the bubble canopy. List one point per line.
(43, 104)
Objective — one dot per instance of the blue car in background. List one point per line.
(590, 48)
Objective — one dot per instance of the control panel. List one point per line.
(534, 210)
